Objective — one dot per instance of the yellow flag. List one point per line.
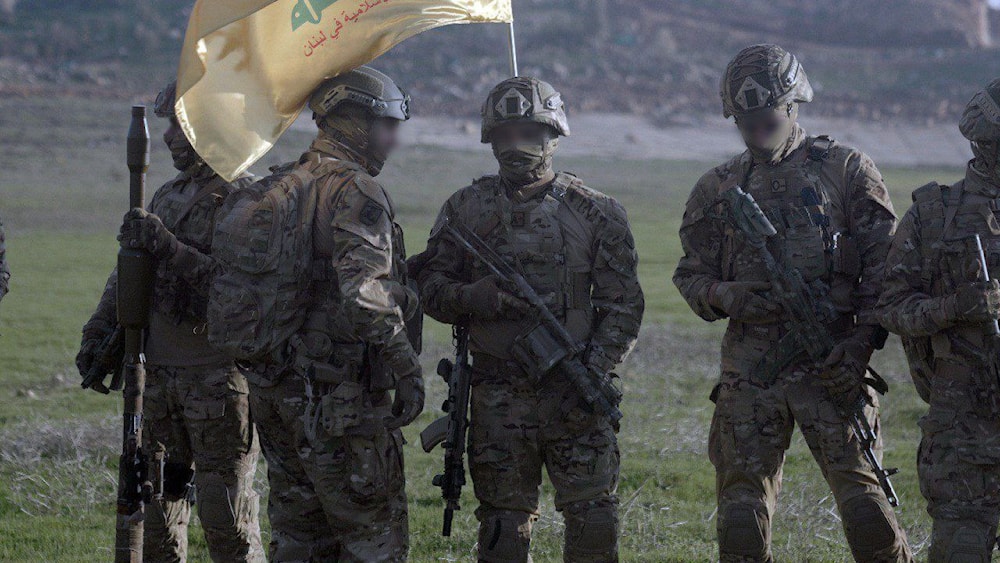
(248, 66)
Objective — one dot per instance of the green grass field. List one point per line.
(62, 196)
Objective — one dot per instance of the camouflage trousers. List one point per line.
(197, 431)
(959, 464)
(751, 430)
(516, 430)
(337, 489)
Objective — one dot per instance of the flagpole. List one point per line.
(512, 45)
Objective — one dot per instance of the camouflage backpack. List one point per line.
(263, 244)
(936, 205)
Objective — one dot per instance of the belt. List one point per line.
(773, 332)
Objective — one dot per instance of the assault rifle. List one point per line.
(548, 344)
(806, 333)
(452, 429)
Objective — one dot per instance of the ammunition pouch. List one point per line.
(537, 352)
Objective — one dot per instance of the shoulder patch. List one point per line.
(370, 213)
(374, 191)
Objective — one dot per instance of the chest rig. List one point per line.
(950, 217)
(797, 202)
(187, 208)
(539, 238)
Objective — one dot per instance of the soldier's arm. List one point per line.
(442, 276)
(363, 260)
(872, 222)
(904, 307)
(701, 239)
(105, 317)
(616, 294)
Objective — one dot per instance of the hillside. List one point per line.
(906, 59)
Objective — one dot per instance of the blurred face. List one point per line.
(384, 137)
(765, 129)
(520, 133)
(181, 151)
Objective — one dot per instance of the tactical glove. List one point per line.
(844, 370)
(975, 302)
(486, 301)
(85, 358)
(408, 402)
(405, 296)
(742, 302)
(142, 230)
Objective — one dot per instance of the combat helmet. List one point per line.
(363, 86)
(524, 99)
(165, 101)
(763, 77)
(980, 122)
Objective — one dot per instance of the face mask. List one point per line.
(987, 161)
(182, 152)
(769, 136)
(525, 163)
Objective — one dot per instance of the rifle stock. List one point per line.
(135, 275)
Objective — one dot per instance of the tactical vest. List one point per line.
(187, 208)
(549, 239)
(949, 216)
(812, 237)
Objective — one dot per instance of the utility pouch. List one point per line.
(342, 408)
(537, 352)
(847, 257)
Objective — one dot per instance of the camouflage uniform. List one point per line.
(4, 269)
(814, 192)
(335, 465)
(575, 248)
(931, 263)
(197, 429)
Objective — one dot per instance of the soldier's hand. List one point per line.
(408, 402)
(977, 302)
(486, 301)
(87, 358)
(743, 301)
(142, 230)
(843, 372)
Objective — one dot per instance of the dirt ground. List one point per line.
(706, 139)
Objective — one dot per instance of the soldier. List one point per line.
(4, 269)
(197, 430)
(934, 297)
(575, 248)
(329, 430)
(834, 222)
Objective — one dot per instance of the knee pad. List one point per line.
(178, 480)
(743, 530)
(869, 525)
(591, 531)
(961, 542)
(504, 536)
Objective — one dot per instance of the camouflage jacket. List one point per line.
(574, 246)
(4, 269)
(834, 220)
(187, 206)
(361, 315)
(928, 261)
